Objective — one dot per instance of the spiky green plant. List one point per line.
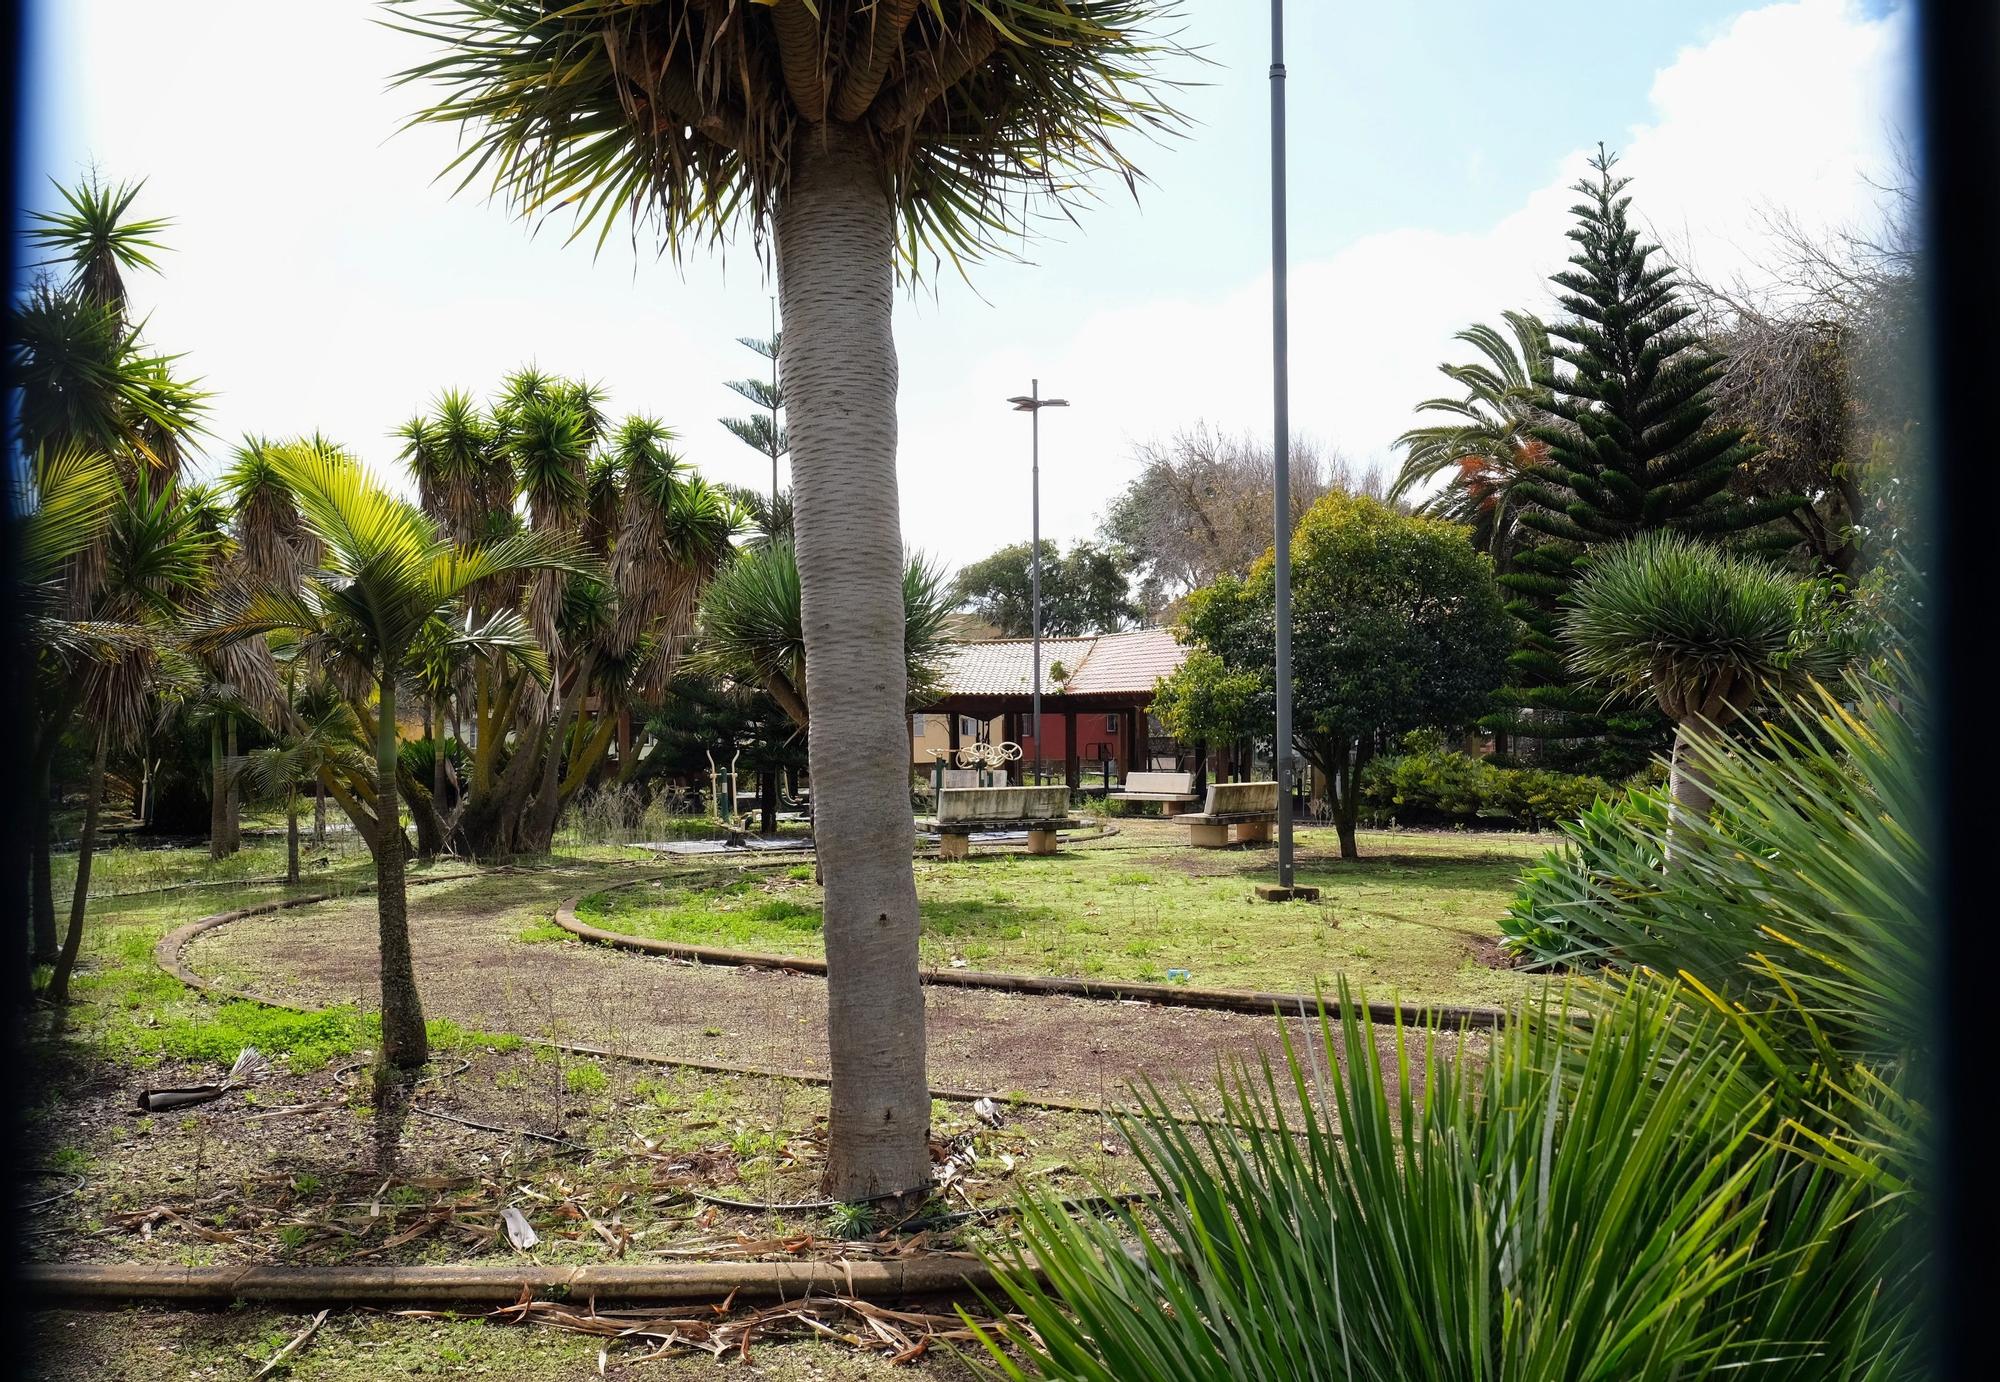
(1708, 1165)
(98, 238)
(752, 627)
(1707, 634)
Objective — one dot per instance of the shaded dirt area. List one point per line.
(149, 1345)
(475, 970)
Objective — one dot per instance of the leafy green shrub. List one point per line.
(1430, 783)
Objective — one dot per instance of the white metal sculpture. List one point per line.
(987, 755)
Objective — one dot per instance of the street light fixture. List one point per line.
(1032, 404)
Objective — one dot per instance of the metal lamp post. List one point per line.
(1032, 404)
(1281, 450)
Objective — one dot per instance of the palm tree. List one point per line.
(158, 562)
(857, 133)
(386, 573)
(1486, 447)
(67, 501)
(752, 627)
(1707, 633)
(84, 383)
(319, 737)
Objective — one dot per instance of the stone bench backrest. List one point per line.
(1165, 784)
(1240, 798)
(1003, 803)
(961, 777)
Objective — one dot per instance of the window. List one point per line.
(1111, 724)
(917, 724)
(968, 727)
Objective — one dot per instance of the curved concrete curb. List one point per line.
(167, 955)
(444, 1285)
(1256, 1004)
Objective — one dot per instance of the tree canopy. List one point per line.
(1201, 507)
(1083, 591)
(1397, 625)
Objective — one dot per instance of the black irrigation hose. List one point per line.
(31, 1206)
(1079, 1205)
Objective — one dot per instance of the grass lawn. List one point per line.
(1417, 915)
(308, 1185)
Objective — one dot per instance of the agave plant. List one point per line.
(1707, 1164)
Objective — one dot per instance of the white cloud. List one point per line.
(1793, 106)
(323, 279)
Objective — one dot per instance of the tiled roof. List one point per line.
(1107, 664)
(1126, 662)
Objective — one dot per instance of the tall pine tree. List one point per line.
(1630, 449)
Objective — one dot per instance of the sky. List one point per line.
(323, 279)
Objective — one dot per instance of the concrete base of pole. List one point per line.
(1277, 892)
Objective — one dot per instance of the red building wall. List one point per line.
(1095, 738)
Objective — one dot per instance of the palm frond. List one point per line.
(98, 239)
(682, 116)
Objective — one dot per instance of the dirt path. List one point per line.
(475, 970)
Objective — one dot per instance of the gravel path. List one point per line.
(474, 969)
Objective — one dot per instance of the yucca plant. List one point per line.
(386, 574)
(859, 135)
(99, 238)
(1594, 1200)
(1706, 633)
(543, 456)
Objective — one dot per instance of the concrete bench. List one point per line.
(961, 811)
(1235, 812)
(1169, 789)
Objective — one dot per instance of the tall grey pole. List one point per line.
(1281, 443)
(1035, 566)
